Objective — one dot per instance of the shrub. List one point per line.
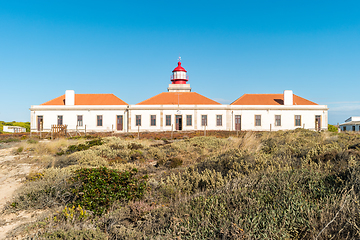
(135, 146)
(33, 141)
(88, 158)
(332, 128)
(81, 147)
(97, 189)
(8, 140)
(74, 234)
(173, 163)
(46, 189)
(278, 205)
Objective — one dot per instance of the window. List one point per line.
(188, 120)
(218, 120)
(153, 120)
(60, 120)
(297, 120)
(203, 120)
(138, 120)
(353, 128)
(277, 120)
(257, 120)
(79, 120)
(99, 121)
(168, 120)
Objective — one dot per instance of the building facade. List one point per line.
(14, 129)
(351, 124)
(179, 109)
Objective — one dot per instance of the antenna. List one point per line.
(178, 94)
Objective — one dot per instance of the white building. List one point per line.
(179, 109)
(13, 129)
(351, 124)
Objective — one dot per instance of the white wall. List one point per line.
(196, 119)
(228, 113)
(287, 119)
(13, 129)
(70, 118)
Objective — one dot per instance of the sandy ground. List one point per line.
(13, 169)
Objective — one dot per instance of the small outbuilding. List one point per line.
(13, 129)
(351, 124)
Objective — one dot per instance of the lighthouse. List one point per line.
(178, 79)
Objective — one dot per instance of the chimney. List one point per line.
(69, 97)
(288, 98)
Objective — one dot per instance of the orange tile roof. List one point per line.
(181, 98)
(89, 99)
(269, 99)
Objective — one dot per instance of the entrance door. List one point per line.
(119, 122)
(178, 122)
(317, 122)
(237, 122)
(40, 123)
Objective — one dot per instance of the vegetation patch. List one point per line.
(80, 147)
(296, 184)
(96, 189)
(8, 140)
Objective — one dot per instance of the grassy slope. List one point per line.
(276, 185)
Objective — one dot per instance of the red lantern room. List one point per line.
(179, 75)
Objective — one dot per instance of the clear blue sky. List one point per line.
(229, 48)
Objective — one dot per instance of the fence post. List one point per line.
(172, 132)
(205, 130)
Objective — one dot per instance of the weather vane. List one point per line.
(179, 59)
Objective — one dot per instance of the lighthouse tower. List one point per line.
(179, 79)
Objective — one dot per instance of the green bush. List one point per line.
(81, 147)
(9, 140)
(332, 128)
(96, 189)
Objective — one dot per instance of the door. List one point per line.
(237, 122)
(40, 123)
(317, 122)
(178, 126)
(119, 122)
